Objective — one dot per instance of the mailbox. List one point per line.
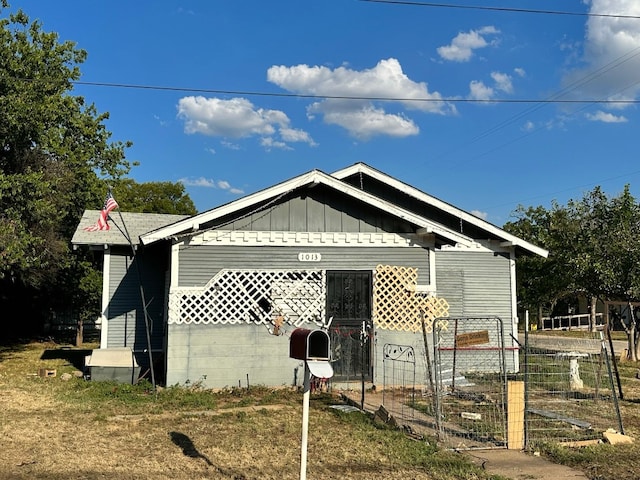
(309, 345)
(314, 347)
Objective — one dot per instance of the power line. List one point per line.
(502, 9)
(250, 93)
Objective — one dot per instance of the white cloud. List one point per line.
(210, 183)
(520, 72)
(463, 45)
(529, 126)
(362, 118)
(610, 59)
(230, 145)
(198, 182)
(269, 144)
(161, 122)
(234, 118)
(296, 135)
(503, 82)
(479, 214)
(479, 91)
(212, 151)
(367, 121)
(605, 117)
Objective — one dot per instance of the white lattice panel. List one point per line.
(397, 306)
(253, 296)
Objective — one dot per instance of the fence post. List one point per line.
(515, 415)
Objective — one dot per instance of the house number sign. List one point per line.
(309, 257)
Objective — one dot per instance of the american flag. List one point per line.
(102, 224)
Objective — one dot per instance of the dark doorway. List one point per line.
(349, 303)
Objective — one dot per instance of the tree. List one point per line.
(54, 152)
(153, 197)
(542, 282)
(594, 246)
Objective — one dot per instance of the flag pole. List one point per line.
(142, 299)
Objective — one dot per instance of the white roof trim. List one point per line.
(209, 215)
(315, 176)
(446, 207)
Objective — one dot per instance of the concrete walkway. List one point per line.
(518, 465)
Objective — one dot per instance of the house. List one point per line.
(357, 252)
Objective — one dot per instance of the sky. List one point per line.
(483, 108)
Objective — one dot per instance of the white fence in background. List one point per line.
(569, 322)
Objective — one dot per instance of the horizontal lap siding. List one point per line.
(475, 283)
(125, 313)
(478, 284)
(198, 264)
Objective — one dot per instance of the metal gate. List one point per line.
(469, 382)
(399, 381)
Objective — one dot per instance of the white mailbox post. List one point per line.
(314, 348)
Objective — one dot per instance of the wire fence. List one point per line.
(476, 386)
(570, 393)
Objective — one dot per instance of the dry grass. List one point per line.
(56, 429)
(74, 429)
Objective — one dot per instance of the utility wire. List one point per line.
(502, 9)
(250, 93)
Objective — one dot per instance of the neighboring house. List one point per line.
(355, 251)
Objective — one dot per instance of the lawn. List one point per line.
(54, 427)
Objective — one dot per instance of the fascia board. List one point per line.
(189, 224)
(394, 210)
(316, 177)
(444, 206)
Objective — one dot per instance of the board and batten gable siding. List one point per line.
(317, 209)
(125, 314)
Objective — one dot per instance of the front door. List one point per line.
(349, 303)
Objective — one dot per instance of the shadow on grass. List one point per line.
(190, 450)
(187, 446)
(74, 356)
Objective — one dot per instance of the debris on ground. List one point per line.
(616, 438)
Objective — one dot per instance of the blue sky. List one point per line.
(253, 93)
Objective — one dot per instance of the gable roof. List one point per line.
(314, 177)
(121, 223)
(335, 181)
(507, 238)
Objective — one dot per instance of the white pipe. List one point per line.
(305, 422)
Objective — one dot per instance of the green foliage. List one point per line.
(153, 197)
(55, 155)
(594, 249)
(54, 150)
